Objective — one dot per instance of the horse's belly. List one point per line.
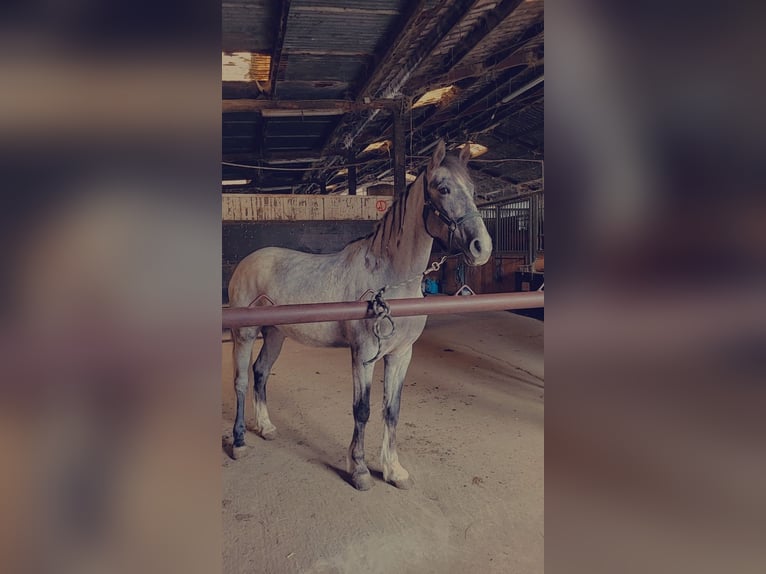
(316, 334)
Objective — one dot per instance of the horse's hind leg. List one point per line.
(272, 346)
(243, 349)
(393, 379)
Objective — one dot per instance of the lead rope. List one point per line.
(382, 311)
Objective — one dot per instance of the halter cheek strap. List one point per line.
(452, 224)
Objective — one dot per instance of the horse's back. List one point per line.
(259, 274)
(290, 277)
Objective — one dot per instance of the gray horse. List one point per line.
(439, 205)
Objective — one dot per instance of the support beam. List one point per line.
(345, 10)
(461, 73)
(276, 56)
(457, 12)
(400, 181)
(478, 110)
(234, 318)
(531, 35)
(307, 107)
(479, 101)
(389, 76)
(481, 30)
(397, 43)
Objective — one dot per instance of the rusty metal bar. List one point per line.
(350, 310)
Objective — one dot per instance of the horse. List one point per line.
(438, 205)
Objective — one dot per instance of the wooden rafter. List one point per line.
(276, 56)
(481, 30)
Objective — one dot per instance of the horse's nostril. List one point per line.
(476, 247)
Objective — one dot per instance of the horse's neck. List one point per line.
(401, 238)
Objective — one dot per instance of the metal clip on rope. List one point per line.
(435, 266)
(382, 312)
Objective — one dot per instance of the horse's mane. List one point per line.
(390, 225)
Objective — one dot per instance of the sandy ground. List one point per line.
(470, 433)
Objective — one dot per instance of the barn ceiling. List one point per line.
(309, 84)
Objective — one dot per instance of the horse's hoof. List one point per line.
(268, 434)
(405, 484)
(238, 452)
(362, 480)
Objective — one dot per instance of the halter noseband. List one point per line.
(452, 224)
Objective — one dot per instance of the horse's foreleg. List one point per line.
(243, 348)
(395, 369)
(357, 467)
(272, 346)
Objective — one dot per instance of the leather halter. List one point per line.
(452, 224)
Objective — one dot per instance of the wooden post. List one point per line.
(400, 180)
(351, 171)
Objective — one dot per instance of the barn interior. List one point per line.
(347, 98)
(330, 109)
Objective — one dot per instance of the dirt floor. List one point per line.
(470, 433)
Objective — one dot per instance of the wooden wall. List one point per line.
(246, 207)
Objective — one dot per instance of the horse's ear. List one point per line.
(465, 154)
(438, 157)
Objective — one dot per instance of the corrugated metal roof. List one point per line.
(508, 32)
(357, 33)
(342, 68)
(330, 48)
(297, 133)
(501, 37)
(248, 25)
(312, 90)
(397, 5)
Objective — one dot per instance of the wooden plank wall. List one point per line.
(243, 207)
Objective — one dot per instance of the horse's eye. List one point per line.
(443, 189)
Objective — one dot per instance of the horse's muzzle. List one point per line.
(477, 247)
(479, 251)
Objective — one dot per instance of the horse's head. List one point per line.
(450, 213)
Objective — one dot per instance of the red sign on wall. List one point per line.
(381, 205)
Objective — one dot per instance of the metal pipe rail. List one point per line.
(349, 310)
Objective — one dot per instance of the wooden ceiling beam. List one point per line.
(480, 31)
(328, 107)
(389, 76)
(396, 79)
(276, 55)
(479, 103)
(397, 41)
(493, 117)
